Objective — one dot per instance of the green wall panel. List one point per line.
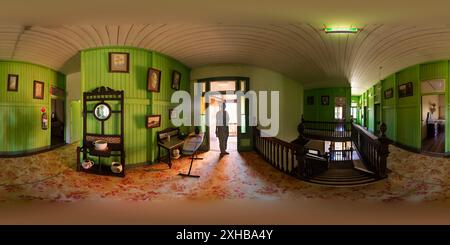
(20, 116)
(371, 109)
(434, 70)
(319, 112)
(140, 142)
(389, 108)
(408, 109)
(389, 115)
(408, 130)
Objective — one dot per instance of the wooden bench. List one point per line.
(169, 139)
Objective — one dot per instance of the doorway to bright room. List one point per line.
(433, 116)
(231, 109)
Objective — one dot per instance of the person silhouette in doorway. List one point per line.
(222, 119)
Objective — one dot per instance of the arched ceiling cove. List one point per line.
(296, 47)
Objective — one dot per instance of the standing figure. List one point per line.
(222, 119)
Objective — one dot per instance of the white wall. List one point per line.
(73, 90)
(291, 92)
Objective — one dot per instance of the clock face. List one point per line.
(102, 111)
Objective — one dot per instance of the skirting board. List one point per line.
(11, 154)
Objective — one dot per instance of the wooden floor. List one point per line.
(435, 144)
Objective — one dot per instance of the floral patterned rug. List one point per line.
(51, 176)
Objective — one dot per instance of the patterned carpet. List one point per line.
(51, 176)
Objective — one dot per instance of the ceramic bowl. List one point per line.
(87, 164)
(116, 167)
(100, 145)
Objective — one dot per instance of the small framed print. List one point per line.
(153, 79)
(13, 82)
(176, 79)
(119, 62)
(153, 121)
(405, 90)
(388, 93)
(38, 90)
(325, 99)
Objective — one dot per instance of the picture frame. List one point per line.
(119, 62)
(153, 80)
(405, 90)
(310, 100)
(38, 90)
(13, 82)
(153, 121)
(388, 93)
(176, 80)
(325, 99)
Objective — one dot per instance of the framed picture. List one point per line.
(388, 93)
(153, 121)
(325, 99)
(57, 92)
(176, 79)
(153, 79)
(405, 90)
(310, 100)
(13, 82)
(38, 90)
(119, 62)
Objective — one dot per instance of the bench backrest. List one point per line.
(173, 132)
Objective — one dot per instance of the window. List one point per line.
(354, 112)
(339, 112)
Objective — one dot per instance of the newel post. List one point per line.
(300, 150)
(383, 151)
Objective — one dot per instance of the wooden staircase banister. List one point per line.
(292, 158)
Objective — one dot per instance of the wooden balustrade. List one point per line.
(293, 158)
(340, 155)
(289, 158)
(278, 153)
(327, 130)
(373, 150)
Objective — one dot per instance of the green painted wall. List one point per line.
(403, 115)
(319, 112)
(20, 115)
(357, 100)
(140, 142)
(389, 107)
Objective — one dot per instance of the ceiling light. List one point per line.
(341, 29)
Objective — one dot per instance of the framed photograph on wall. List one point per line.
(388, 93)
(176, 80)
(325, 99)
(119, 62)
(13, 82)
(310, 100)
(153, 80)
(153, 121)
(405, 90)
(38, 90)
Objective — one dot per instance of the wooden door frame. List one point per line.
(237, 80)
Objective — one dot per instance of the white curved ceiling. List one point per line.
(294, 47)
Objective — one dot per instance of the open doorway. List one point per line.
(57, 122)
(377, 121)
(231, 109)
(224, 88)
(433, 123)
